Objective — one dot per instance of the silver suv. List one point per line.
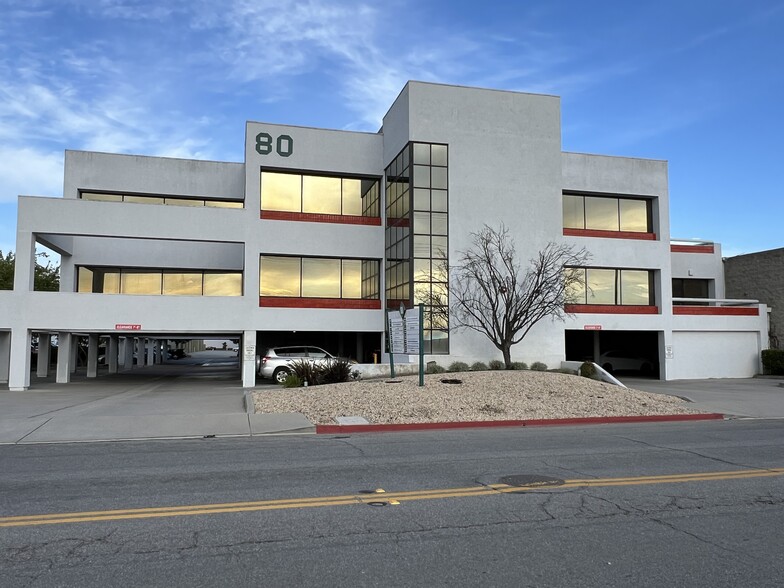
(275, 362)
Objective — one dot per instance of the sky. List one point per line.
(698, 83)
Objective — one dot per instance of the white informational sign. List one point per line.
(397, 333)
(412, 331)
(404, 334)
(249, 353)
(668, 354)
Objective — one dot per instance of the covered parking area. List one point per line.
(60, 357)
(634, 353)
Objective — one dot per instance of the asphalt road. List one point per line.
(666, 504)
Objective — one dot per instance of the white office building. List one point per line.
(317, 231)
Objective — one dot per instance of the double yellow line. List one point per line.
(379, 496)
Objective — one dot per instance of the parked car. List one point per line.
(612, 361)
(275, 362)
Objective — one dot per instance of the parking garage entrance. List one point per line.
(633, 353)
(144, 355)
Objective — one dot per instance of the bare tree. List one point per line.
(492, 294)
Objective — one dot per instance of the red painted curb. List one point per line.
(331, 429)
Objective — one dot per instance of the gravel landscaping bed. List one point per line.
(482, 396)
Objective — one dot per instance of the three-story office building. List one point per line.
(318, 231)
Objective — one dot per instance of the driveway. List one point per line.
(184, 399)
(749, 397)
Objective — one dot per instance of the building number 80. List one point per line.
(284, 145)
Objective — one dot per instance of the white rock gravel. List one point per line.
(482, 396)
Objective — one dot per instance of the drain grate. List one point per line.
(530, 481)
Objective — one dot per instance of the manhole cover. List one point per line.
(530, 481)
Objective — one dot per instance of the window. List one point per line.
(620, 287)
(318, 277)
(157, 199)
(154, 282)
(317, 194)
(691, 288)
(607, 213)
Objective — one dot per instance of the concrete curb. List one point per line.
(247, 400)
(332, 429)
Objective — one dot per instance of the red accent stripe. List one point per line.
(398, 222)
(610, 309)
(345, 303)
(609, 234)
(716, 310)
(329, 429)
(691, 248)
(309, 217)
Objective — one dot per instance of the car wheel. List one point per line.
(280, 375)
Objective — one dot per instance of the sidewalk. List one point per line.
(154, 402)
(176, 401)
(761, 398)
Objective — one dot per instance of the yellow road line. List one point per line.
(432, 494)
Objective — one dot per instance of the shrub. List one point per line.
(587, 370)
(434, 368)
(334, 371)
(496, 364)
(306, 371)
(519, 365)
(478, 366)
(458, 366)
(773, 362)
(292, 381)
(538, 366)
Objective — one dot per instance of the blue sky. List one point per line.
(698, 83)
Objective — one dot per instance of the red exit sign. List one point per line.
(592, 327)
(127, 327)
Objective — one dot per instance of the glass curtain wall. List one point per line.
(417, 232)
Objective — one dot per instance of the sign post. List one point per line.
(389, 343)
(421, 346)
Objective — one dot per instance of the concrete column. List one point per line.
(44, 354)
(140, 351)
(360, 348)
(158, 352)
(129, 345)
(150, 351)
(597, 351)
(24, 264)
(112, 353)
(92, 355)
(164, 350)
(121, 352)
(65, 342)
(248, 359)
(74, 351)
(5, 355)
(19, 368)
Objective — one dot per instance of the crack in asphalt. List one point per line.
(753, 560)
(692, 452)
